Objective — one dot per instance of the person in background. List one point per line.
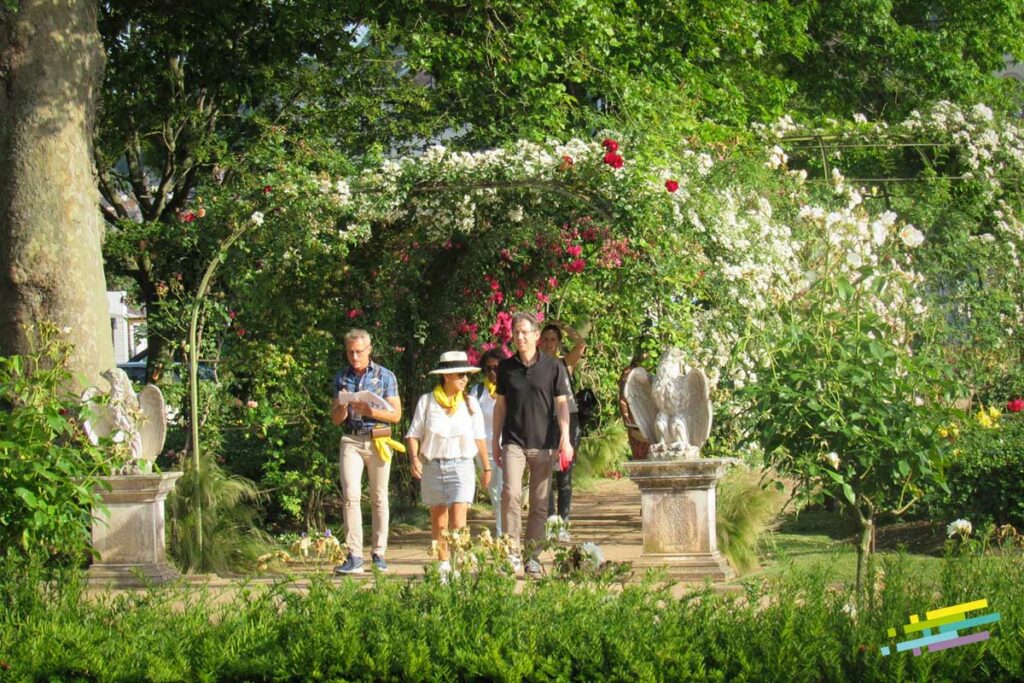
(485, 393)
(551, 344)
(531, 392)
(446, 433)
(363, 423)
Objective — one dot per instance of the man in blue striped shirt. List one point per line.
(357, 451)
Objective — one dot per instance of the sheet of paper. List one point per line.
(368, 397)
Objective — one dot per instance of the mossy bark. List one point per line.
(51, 232)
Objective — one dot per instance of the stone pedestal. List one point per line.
(129, 537)
(678, 508)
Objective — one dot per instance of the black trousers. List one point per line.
(561, 482)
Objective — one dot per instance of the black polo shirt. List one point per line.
(530, 420)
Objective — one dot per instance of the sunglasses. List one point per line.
(459, 375)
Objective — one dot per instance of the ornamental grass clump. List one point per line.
(747, 505)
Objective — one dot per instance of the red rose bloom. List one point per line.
(576, 266)
(610, 145)
(267, 189)
(1015, 406)
(671, 185)
(613, 160)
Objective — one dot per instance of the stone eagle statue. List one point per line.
(137, 420)
(672, 410)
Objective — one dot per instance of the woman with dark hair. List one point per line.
(484, 394)
(551, 344)
(446, 433)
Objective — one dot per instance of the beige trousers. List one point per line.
(357, 453)
(541, 463)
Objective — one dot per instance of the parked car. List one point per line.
(135, 368)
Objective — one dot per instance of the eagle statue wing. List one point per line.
(640, 398)
(153, 427)
(697, 407)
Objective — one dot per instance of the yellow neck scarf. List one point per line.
(449, 403)
(490, 386)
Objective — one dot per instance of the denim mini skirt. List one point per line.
(447, 481)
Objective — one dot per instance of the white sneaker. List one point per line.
(533, 569)
(444, 570)
(563, 536)
(517, 563)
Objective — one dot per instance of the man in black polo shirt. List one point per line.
(531, 391)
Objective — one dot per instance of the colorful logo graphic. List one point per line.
(941, 629)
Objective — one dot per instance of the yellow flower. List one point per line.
(986, 419)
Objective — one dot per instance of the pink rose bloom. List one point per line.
(574, 250)
(576, 266)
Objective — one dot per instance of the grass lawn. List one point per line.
(819, 538)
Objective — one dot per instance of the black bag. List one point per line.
(588, 408)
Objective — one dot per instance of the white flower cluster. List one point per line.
(959, 527)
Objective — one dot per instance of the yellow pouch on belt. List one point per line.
(383, 442)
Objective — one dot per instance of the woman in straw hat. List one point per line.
(446, 433)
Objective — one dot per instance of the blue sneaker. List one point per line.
(353, 565)
(379, 562)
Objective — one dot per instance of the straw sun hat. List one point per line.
(453, 361)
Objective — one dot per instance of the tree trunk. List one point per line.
(865, 546)
(51, 231)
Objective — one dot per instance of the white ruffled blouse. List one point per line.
(444, 436)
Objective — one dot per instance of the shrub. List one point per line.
(797, 627)
(984, 475)
(48, 467)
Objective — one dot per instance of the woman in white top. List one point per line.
(446, 433)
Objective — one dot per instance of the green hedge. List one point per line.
(481, 628)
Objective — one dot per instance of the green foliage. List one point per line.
(48, 467)
(886, 59)
(839, 405)
(799, 627)
(747, 505)
(984, 475)
(231, 539)
(602, 451)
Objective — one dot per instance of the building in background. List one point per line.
(127, 327)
